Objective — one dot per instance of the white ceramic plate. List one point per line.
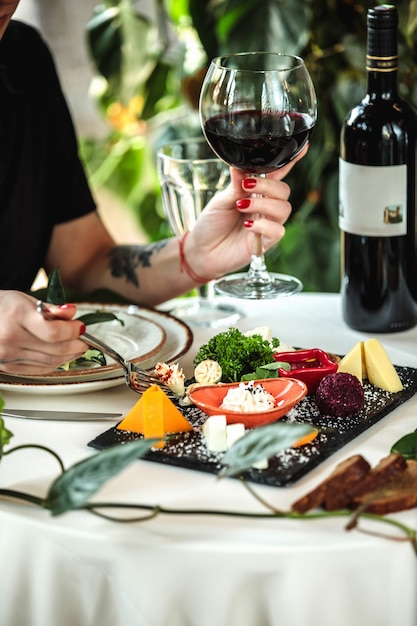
(61, 389)
(171, 338)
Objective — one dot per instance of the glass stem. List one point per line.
(206, 292)
(257, 270)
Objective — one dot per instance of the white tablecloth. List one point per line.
(80, 570)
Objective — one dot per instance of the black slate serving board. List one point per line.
(188, 450)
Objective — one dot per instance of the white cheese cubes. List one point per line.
(264, 331)
(220, 436)
(233, 433)
(214, 431)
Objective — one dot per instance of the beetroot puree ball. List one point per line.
(339, 395)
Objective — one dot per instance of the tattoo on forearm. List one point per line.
(125, 260)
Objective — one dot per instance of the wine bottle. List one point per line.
(377, 195)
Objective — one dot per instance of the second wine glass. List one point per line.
(257, 112)
(190, 174)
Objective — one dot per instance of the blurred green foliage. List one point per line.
(151, 58)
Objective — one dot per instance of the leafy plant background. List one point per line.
(151, 57)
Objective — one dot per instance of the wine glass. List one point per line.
(257, 112)
(190, 174)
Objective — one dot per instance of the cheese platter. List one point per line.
(189, 450)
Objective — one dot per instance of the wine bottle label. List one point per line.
(372, 200)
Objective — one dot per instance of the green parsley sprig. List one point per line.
(237, 353)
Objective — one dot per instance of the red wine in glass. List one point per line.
(258, 142)
(257, 111)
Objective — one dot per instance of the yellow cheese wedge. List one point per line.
(364, 370)
(154, 415)
(380, 370)
(353, 362)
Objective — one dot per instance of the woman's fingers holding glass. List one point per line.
(274, 209)
(272, 231)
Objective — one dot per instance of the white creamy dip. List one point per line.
(248, 398)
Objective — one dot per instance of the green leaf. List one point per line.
(121, 168)
(261, 443)
(124, 47)
(282, 365)
(55, 293)
(105, 41)
(270, 370)
(5, 434)
(407, 446)
(269, 25)
(178, 10)
(99, 316)
(89, 359)
(74, 487)
(202, 13)
(94, 355)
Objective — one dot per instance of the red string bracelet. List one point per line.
(185, 266)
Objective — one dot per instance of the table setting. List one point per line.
(265, 563)
(102, 523)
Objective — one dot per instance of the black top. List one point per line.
(42, 181)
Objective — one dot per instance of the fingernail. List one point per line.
(249, 183)
(66, 306)
(243, 204)
(248, 223)
(83, 328)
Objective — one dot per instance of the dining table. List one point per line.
(196, 566)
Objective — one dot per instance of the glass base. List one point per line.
(242, 286)
(206, 313)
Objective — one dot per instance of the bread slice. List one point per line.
(389, 487)
(389, 467)
(334, 492)
(397, 494)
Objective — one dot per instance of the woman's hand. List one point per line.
(222, 240)
(29, 344)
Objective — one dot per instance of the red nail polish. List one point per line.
(243, 204)
(83, 328)
(66, 306)
(249, 183)
(248, 223)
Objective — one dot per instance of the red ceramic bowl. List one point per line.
(310, 366)
(286, 391)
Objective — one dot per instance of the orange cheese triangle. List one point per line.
(154, 415)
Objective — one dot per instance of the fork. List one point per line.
(136, 378)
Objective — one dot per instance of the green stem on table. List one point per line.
(155, 510)
(39, 447)
(21, 495)
(410, 534)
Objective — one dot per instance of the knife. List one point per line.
(66, 416)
